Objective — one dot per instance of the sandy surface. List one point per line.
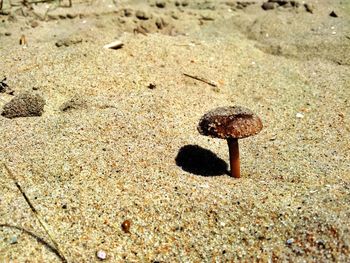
(118, 140)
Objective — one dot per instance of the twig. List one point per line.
(35, 212)
(39, 239)
(211, 83)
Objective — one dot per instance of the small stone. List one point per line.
(126, 226)
(34, 24)
(299, 115)
(24, 105)
(174, 15)
(290, 241)
(184, 3)
(13, 240)
(142, 15)
(160, 4)
(114, 45)
(242, 229)
(268, 6)
(333, 14)
(101, 255)
(71, 16)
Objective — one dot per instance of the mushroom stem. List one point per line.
(234, 157)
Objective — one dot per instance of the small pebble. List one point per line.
(333, 14)
(102, 255)
(142, 15)
(34, 24)
(268, 6)
(299, 115)
(160, 4)
(290, 241)
(13, 240)
(126, 226)
(184, 3)
(151, 86)
(71, 16)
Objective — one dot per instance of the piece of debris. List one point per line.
(151, 86)
(24, 105)
(230, 123)
(209, 82)
(23, 40)
(333, 14)
(101, 255)
(114, 45)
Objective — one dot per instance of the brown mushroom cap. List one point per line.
(230, 122)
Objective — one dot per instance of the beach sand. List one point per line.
(118, 137)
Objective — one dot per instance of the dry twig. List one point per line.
(39, 239)
(36, 214)
(209, 82)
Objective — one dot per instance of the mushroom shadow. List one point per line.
(197, 160)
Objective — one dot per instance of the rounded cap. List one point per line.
(230, 122)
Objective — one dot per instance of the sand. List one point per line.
(118, 137)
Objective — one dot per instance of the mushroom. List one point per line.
(230, 123)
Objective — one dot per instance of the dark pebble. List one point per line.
(268, 6)
(142, 15)
(333, 14)
(160, 4)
